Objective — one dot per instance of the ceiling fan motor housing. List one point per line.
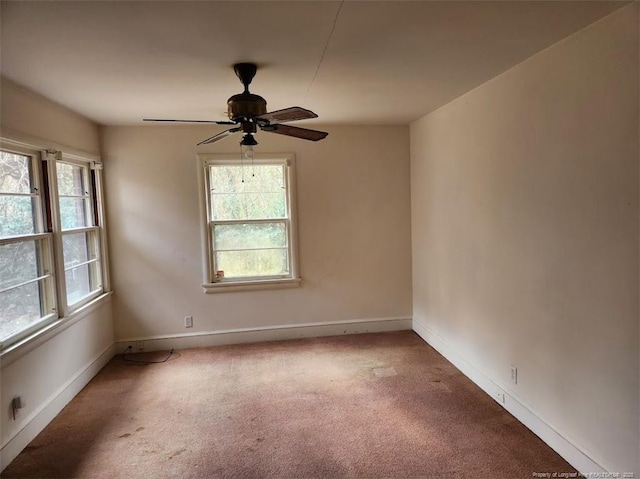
(245, 105)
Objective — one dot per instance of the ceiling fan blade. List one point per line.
(288, 114)
(219, 136)
(304, 133)
(191, 121)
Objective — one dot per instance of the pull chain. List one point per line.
(241, 164)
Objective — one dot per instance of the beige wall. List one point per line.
(39, 372)
(28, 116)
(525, 234)
(354, 231)
(45, 371)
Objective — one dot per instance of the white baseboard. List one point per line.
(541, 428)
(270, 333)
(42, 416)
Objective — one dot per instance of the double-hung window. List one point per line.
(250, 231)
(51, 238)
(79, 231)
(27, 291)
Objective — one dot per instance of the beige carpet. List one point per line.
(364, 406)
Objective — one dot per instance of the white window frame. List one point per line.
(211, 284)
(46, 266)
(93, 203)
(54, 297)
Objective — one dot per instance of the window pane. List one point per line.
(261, 195)
(16, 216)
(76, 249)
(96, 276)
(250, 236)
(19, 309)
(70, 179)
(266, 262)
(249, 206)
(72, 213)
(257, 178)
(15, 173)
(18, 263)
(78, 283)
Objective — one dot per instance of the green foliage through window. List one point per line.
(31, 239)
(249, 220)
(16, 195)
(20, 266)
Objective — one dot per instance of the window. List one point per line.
(51, 246)
(250, 222)
(79, 231)
(26, 280)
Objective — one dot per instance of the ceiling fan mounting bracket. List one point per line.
(245, 72)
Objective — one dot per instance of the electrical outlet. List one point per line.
(16, 405)
(139, 345)
(514, 375)
(500, 397)
(188, 321)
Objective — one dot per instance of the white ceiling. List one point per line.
(387, 62)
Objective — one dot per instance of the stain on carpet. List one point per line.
(385, 372)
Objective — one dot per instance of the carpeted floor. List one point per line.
(364, 406)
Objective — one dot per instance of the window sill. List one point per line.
(251, 285)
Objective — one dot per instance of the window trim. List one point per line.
(205, 160)
(52, 160)
(49, 234)
(46, 254)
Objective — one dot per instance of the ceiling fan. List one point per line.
(249, 112)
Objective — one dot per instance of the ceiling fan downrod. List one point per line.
(245, 72)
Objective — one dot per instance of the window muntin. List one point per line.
(250, 220)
